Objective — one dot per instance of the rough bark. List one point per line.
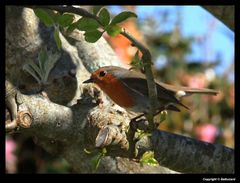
(190, 155)
(69, 120)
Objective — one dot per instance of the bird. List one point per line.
(129, 90)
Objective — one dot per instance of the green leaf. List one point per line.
(87, 151)
(136, 61)
(44, 17)
(72, 27)
(32, 72)
(36, 68)
(57, 39)
(96, 9)
(104, 151)
(95, 161)
(87, 24)
(65, 20)
(92, 36)
(122, 16)
(113, 30)
(53, 14)
(140, 134)
(163, 116)
(42, 57)
(104, 17)
(148, 158)
(49, 64)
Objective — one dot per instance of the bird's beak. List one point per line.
(88, 81)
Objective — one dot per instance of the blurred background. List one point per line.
(189, 47)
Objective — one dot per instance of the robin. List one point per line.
(128, 89)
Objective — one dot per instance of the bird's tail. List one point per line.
(189, 91)
(181, 91)
(186, 91)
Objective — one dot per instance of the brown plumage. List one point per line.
(129, 89)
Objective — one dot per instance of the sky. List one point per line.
(197, 22)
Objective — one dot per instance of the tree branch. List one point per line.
(67, 131)
(70, 9)
(188, 155)
(51, 124)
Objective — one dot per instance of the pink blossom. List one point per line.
(9, 150)
(206, 132)
(11, 158)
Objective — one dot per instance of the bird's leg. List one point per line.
(134, 120)
(131, 133)
(133, 126)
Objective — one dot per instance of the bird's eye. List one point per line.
(102, 73)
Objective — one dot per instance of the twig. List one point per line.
(70, 9)
(152, 90)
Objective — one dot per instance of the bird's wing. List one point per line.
(139, 85)
(172, 90)
(137, 82)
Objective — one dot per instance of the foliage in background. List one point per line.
(211, 118)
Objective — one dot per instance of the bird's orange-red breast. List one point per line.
(129, 89)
